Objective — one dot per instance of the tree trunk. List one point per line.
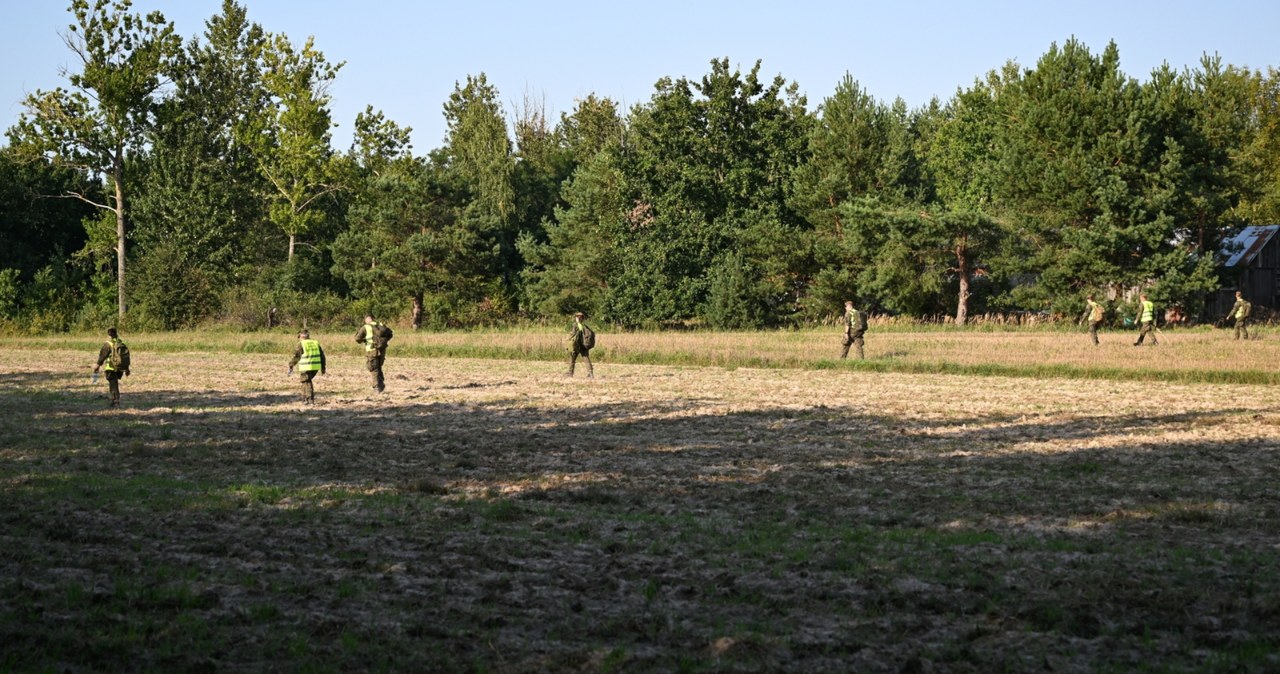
(417, 310)
(962, 269)
(292, 240)
(120, 231)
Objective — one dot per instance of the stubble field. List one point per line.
(492, 515)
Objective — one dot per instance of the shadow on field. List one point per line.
(819, 456)
(40, 380)
(152, 399)
(419, 535)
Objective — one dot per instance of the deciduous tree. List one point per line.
(102, 121)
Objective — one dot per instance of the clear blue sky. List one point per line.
(404, 56)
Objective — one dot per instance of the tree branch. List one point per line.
(327, 189)
(81, 197)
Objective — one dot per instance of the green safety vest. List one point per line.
(1148, 311)
(368, 335)
(1243, 310)
(310, 361)
(107, 365)
(1095, 311)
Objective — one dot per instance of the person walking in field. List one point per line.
(1146, 319)
(580, 342)
(1240, 313)
(309, 360)
(374, 336)
(855, 326)
(1093, 313)
(113, 359)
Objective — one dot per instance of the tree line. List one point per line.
(174, 183)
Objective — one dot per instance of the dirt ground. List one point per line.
(498, 516)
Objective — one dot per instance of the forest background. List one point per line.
(178, 183)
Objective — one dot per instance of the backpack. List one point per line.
(588, 337)
(381, 335)
(860, 321)
(119, 355)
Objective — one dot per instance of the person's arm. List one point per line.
(103, 354)
(322, 363)
(360, 335)
(297, 356)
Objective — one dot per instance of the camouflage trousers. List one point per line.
(113, 384)
(573, 360)
(1148, 328)
(1093, 330)
(1242, 328)
(308, 389)
(374, 360)
(854, 342)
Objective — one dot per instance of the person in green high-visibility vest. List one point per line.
(1093, 313)
(1240, 313)
(1146, 319)
(113, 357)
(309, 360)
(374, 336)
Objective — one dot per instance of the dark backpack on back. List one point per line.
(860, 322)
(381, 335)
(119, 355)
(588, 337)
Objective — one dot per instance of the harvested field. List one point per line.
(492, 515)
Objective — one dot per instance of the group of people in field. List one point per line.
(1146, 318)
(855, 322)
(309, 359)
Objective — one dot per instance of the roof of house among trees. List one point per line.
(1243, 247)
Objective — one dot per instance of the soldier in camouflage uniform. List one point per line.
(114, 367)
(855, 326)
(374, 336)
(309, 359)
(1093, 313)
(1240, 312)
(577, 347)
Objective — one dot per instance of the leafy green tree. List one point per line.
(542, 164)
(595, 125)
(201, 187)
(571, 270)
(1260, 160)
(567, 261)
(959, 163)
(173, 288)
(1099, 177)
(101, 123)
(290, 135)
(704, 161)
(1068, 161)
(1220, 123)
(406, 238)
(861, 190)
(478, 160)
(858, 147)
(32, 225)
